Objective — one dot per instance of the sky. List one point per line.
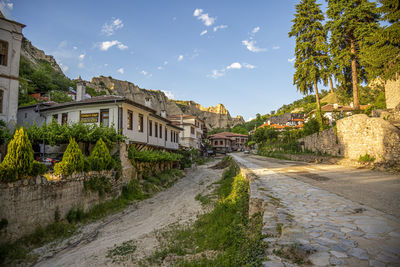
(237, 53)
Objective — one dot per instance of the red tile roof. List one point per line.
(226, 135)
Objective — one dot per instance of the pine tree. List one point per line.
(311, 48)
(19, 159)
(382, 56)
(100, 158)
(351, 21)
(72, 161)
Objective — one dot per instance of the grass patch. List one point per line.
(273, 154)
(121, 253)
(226, 230)
(366, 158)
(18, 252)
(101, 185)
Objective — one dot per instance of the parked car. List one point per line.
(210, 152)
(50, 159)
(246, 152)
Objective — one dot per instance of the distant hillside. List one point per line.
(41, 73)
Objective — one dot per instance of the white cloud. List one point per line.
(106, 65)
(81, 65)
(165, 63)
(220, 27)
(291, 60)
(82, 56)
(62, 44)
(255, 30)
(75, 48)
(217, 73)
(10, 6)
(250, 119)
(160, 67)
(276, 47)
(180, 57)
(121, 70)
(207, 20)
(144, 72)
(234, 65)
(203, 32)
(169, 94)
(104, 46)
(110, 27)
(248, 66)
(251, 46)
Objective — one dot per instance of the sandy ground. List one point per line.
(377, 189)
(139, 222)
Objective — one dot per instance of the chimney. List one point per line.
(80, 89)
(163, 113)
(147, 102)
(335, 106)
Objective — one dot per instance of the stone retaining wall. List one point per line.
(356, 136)
(29, 203)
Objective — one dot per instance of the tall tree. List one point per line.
(350, 22)
(311, 48)
(382, 56)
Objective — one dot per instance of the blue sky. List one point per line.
(242, 61)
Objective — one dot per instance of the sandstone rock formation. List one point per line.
(34, 54)
(214, 117)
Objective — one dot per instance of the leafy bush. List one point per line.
(100, 158)
(188, 157)
(38, 168)
(73, 160)
(366, 158)
(102, 185)
(5, 135)
(19, 159)
(311, 126)
(152, 156)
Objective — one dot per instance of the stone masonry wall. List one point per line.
(392, 93)
(29, 203)
(356, 136)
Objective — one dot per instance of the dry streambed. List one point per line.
(130, 236)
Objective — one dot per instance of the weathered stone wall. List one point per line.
(29, 203)
(392, 93)
(356, 136)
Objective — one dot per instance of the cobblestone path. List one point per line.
(328, 229)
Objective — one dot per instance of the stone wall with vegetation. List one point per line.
(29, 203)
(357, 136)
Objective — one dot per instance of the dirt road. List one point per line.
(138, 223)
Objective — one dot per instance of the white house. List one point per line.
(193, 130)
(139, 123)
(10, 49)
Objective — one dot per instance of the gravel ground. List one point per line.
(139, 222)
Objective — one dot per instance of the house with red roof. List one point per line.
(227, 141)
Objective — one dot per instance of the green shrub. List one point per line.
(102, 185)
(311, 126)
(152, 156)
(38, 168)
(100, 158)
(366, 158)
(132, 191)
(73, 160)
(19, 160)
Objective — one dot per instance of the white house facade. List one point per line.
(193, 130)
(10, 50)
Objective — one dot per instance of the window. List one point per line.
(156, 129)
(26, 115)
(104, 117)
(166, 134)
(192, 130)
(172, 136)
(221, 142)
(215, 142)
(130, 120)
(3, 53)
(160, 130)
(1, 101)
(140, 124)
(150, 127)
(55, 117)
(177, 138)
(64, 118)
